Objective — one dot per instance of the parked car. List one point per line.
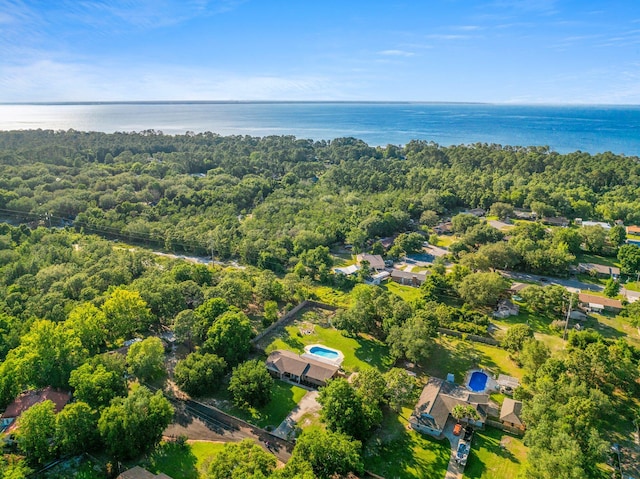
(457, 429)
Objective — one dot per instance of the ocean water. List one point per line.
(564, 129)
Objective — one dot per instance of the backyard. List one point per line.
(495, 455)
(397, 452)
(182, 461)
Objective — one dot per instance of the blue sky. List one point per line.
(506, 51)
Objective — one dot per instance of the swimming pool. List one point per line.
(324, 352)
(478, 381)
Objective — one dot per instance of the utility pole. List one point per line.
(566, 325)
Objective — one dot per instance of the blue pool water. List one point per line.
(478, 381)
(325, 353)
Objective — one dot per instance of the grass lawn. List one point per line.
(444, 241)
(490, 461)
(632, 286)
(614, 327)
(359, 352)
(452, 355)
(598, 259)
(397, 452)
(408, 293)
(334, 297)
(284, 397)
(182, 461)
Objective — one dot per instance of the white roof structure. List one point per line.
(347, 270)
(606, 226)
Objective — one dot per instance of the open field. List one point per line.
(408, 293)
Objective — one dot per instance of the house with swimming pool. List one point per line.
(438, 399)
(306, 369)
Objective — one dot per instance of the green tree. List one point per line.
(88, 323)
(371, 385)
(611, 288)
(482, 289)
(200, 374)
(594, 238)
(270, 312)
(402, 389)
(516, 337)
(146, 359)
(243, 459)
(184, 327)
(206, 315)
(330, 454)
(132, 425)
(629, 257)
(429, 218)
(97, 384)
(533, 355)
(464, 412)
(76, 428)
(414, 339)
(501, 210)
(343, 409)
(230, 337)
(618, 235)
(37, 428)
(126, 313)
(462, 222)
(251, 384)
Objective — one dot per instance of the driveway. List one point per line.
(308, 404)
(454, 471)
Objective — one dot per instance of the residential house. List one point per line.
(602, 224)
(436, 402)
(590, 302)
(8, 420)
(479, 212)
(378, 278)
(375, 261)
(289, 366)
(633, 230)
(601, 270)
(407, 278)
(524, 215)
(517, 287)
(387, 242)
(505, 309)
(511, 412)
(445, 228)
(140, 473)
(556, 221)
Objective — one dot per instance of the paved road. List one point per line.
(572, 284)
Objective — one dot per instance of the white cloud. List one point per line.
(396, 53)
(53, 81)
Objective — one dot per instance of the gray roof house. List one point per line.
(436, 402)
(291, 367)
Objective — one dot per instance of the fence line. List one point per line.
(470, 337)
(504, 427)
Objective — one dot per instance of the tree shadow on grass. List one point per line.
(374, 353)
(292, 341)
(407, 454)
(174, 459)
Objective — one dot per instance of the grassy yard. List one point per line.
(328, 295)
(451, 355)
(284, 397)
(408, 293)
(397, 452)
(598, 259)
(614, 327)
(186, 461)
(488, 460)
(359, 352)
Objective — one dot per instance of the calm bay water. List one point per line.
(593, 129)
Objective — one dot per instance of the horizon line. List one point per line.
(300, 102)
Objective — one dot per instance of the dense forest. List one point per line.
(266, 200)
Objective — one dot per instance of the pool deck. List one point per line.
(491, 385)
(334, 361)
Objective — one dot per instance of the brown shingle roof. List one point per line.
(30, 398)
(511, 411)
(375, 260)
(288, 362)
(590, 298)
